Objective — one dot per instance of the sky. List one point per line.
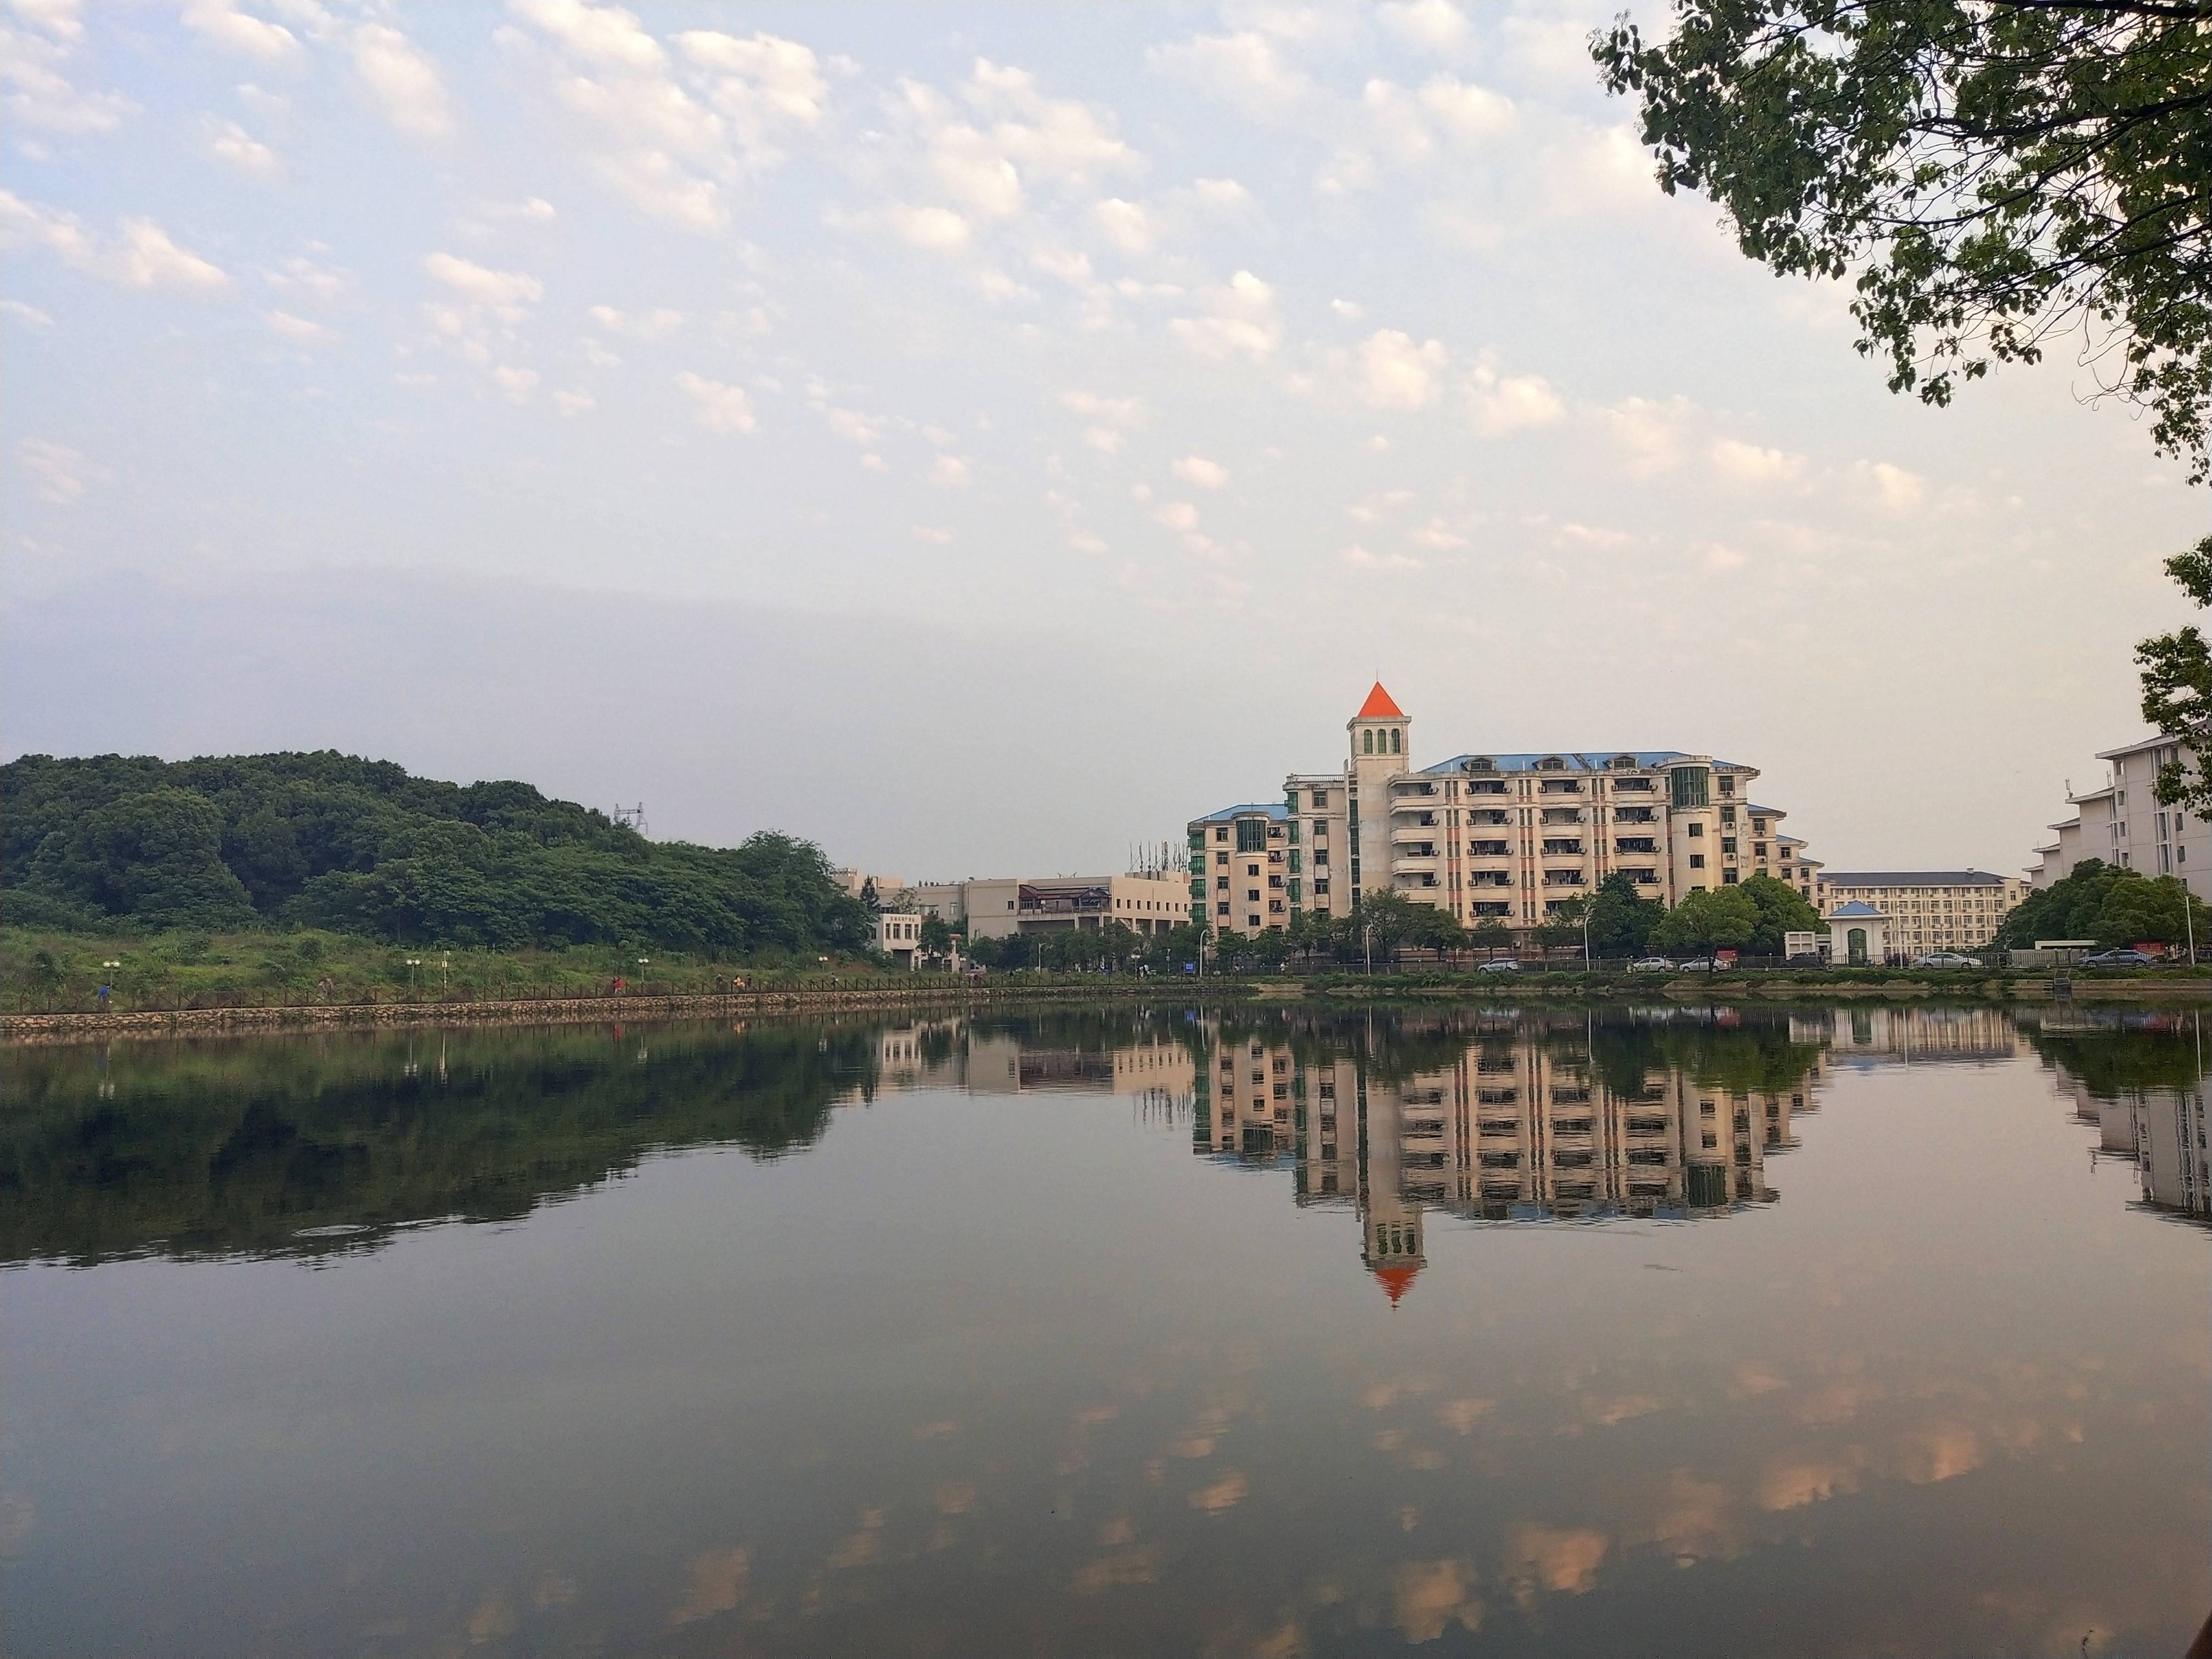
(982, 438)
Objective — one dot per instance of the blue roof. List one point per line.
(1273, 809)
(1591, 760)
(1854, 908)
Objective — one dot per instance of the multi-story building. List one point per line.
(1926, 909)
(995, 907)
(1504, 837)
(2122, 823)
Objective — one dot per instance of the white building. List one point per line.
(1858, 935)
(898, 936)
(2122, 823)
(995, 907)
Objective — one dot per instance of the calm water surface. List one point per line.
(1126, 1332)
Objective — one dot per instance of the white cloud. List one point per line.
(1127, 224)
(606, 36)
(1177, 515)
(1504, 404)
(222, 24)
(229, 142)
(1551, 48)
(504, 290)
(1246, 69)
(1439, 537)
(763, 84)
(141, 257)
(1647, 433)
(1435, 25)
(1467, 112)
(530, 211)
(1104, 439)
(1719, 558)
(721, 407)
(34, 60)
(657, 324)
(1061, 139)
(297, 330)
(1241, 320)
(1899, 490)
(1197, 470)
(1750, 463)
(935, 535)
(949, 472)
(847, 424)
(30, 316)
(1362, 558)
(1350, 310)
(1222, 195)
(1396, 373)
(576, 403)
(403, 82)
(301, 276)
(1114, 411)
(938, 229)
(517, 383)
(58, 473)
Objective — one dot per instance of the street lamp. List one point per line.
(413, 963)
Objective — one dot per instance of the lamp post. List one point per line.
(110, 964)
(641, 961)
(413, 963)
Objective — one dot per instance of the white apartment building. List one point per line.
(1927, 909)
(995, 907)
(898, 936)
(2124, 823)
(1504, 837)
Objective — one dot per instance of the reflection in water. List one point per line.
(1047, 1334)
(326, 1145)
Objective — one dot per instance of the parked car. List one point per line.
(1652, 965)
(1806, 959)
(1502, 965)
(1946, 959)
(1698, 965)
(2120, 959)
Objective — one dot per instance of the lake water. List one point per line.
(1626, 1331)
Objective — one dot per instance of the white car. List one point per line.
(1502, 965)
(1946, 959)
(1652, 965)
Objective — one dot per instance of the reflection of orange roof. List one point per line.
(1395, 1281)
(1378, 707)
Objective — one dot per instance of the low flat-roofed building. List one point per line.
(1927, 909)
(995, 907)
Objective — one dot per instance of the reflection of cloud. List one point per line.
(1194, 1445)
(1554, 1559)
(1461, 1415)
(1124, 1567)
(718, 1584)
(1224, 1494)
(1431, 1596)
(1287, 1642)
(936, 1430)
(553, 1589)
(864, 1546)
(1939, 1453)
(1789, 1483)
(956, 1496)
(493, 1619)
(1696, 1520)
(1610, 1411)
(1837, 1402)
(1753, 1378)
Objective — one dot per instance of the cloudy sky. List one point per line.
(982, 437)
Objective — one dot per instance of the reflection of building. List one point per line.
(1001, 906)
(2138, 1082)
(1910, 1033)
(1507, 838)
(1510, 1124)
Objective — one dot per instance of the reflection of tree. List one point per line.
(240, 1147)
(1755, 1056)
(2116, 1062)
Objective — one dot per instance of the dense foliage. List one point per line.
(1994, 174)
(360, 846)
(2177, 685)
(2110, 904)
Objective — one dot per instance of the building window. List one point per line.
(1221, 884)
(1727, 878)
(1697, 861)
(1697, 828)
(1367, 743)
(1396, 738)
(1221, 832)
(1321, 802)
(1251, 895)
(1727, 844)
(1222, 909)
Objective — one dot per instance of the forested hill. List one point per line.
(355, 846)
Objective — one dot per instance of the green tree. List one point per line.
(2068, 909)
(2149, 911)
(2176, 686)
(1621, 918)
(935, 935)
(1390, 918)
(1781, 909)
(1997, 174)
(1491, 935)
(1709, 919)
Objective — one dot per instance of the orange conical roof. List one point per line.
(1395, 1281)
(1378, 707)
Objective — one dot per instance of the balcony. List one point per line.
(1563, 850)
(1417, 794)
(1407, 881)
(1412, 853)
(1561, 815)
(1421, 829)
(1489, 815)
(1634, 815)
(1635, 844)
(1643, 878)
(1486, 909)
(1562, 878)
(1489, 849)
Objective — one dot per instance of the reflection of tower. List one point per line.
(1390, 1219)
